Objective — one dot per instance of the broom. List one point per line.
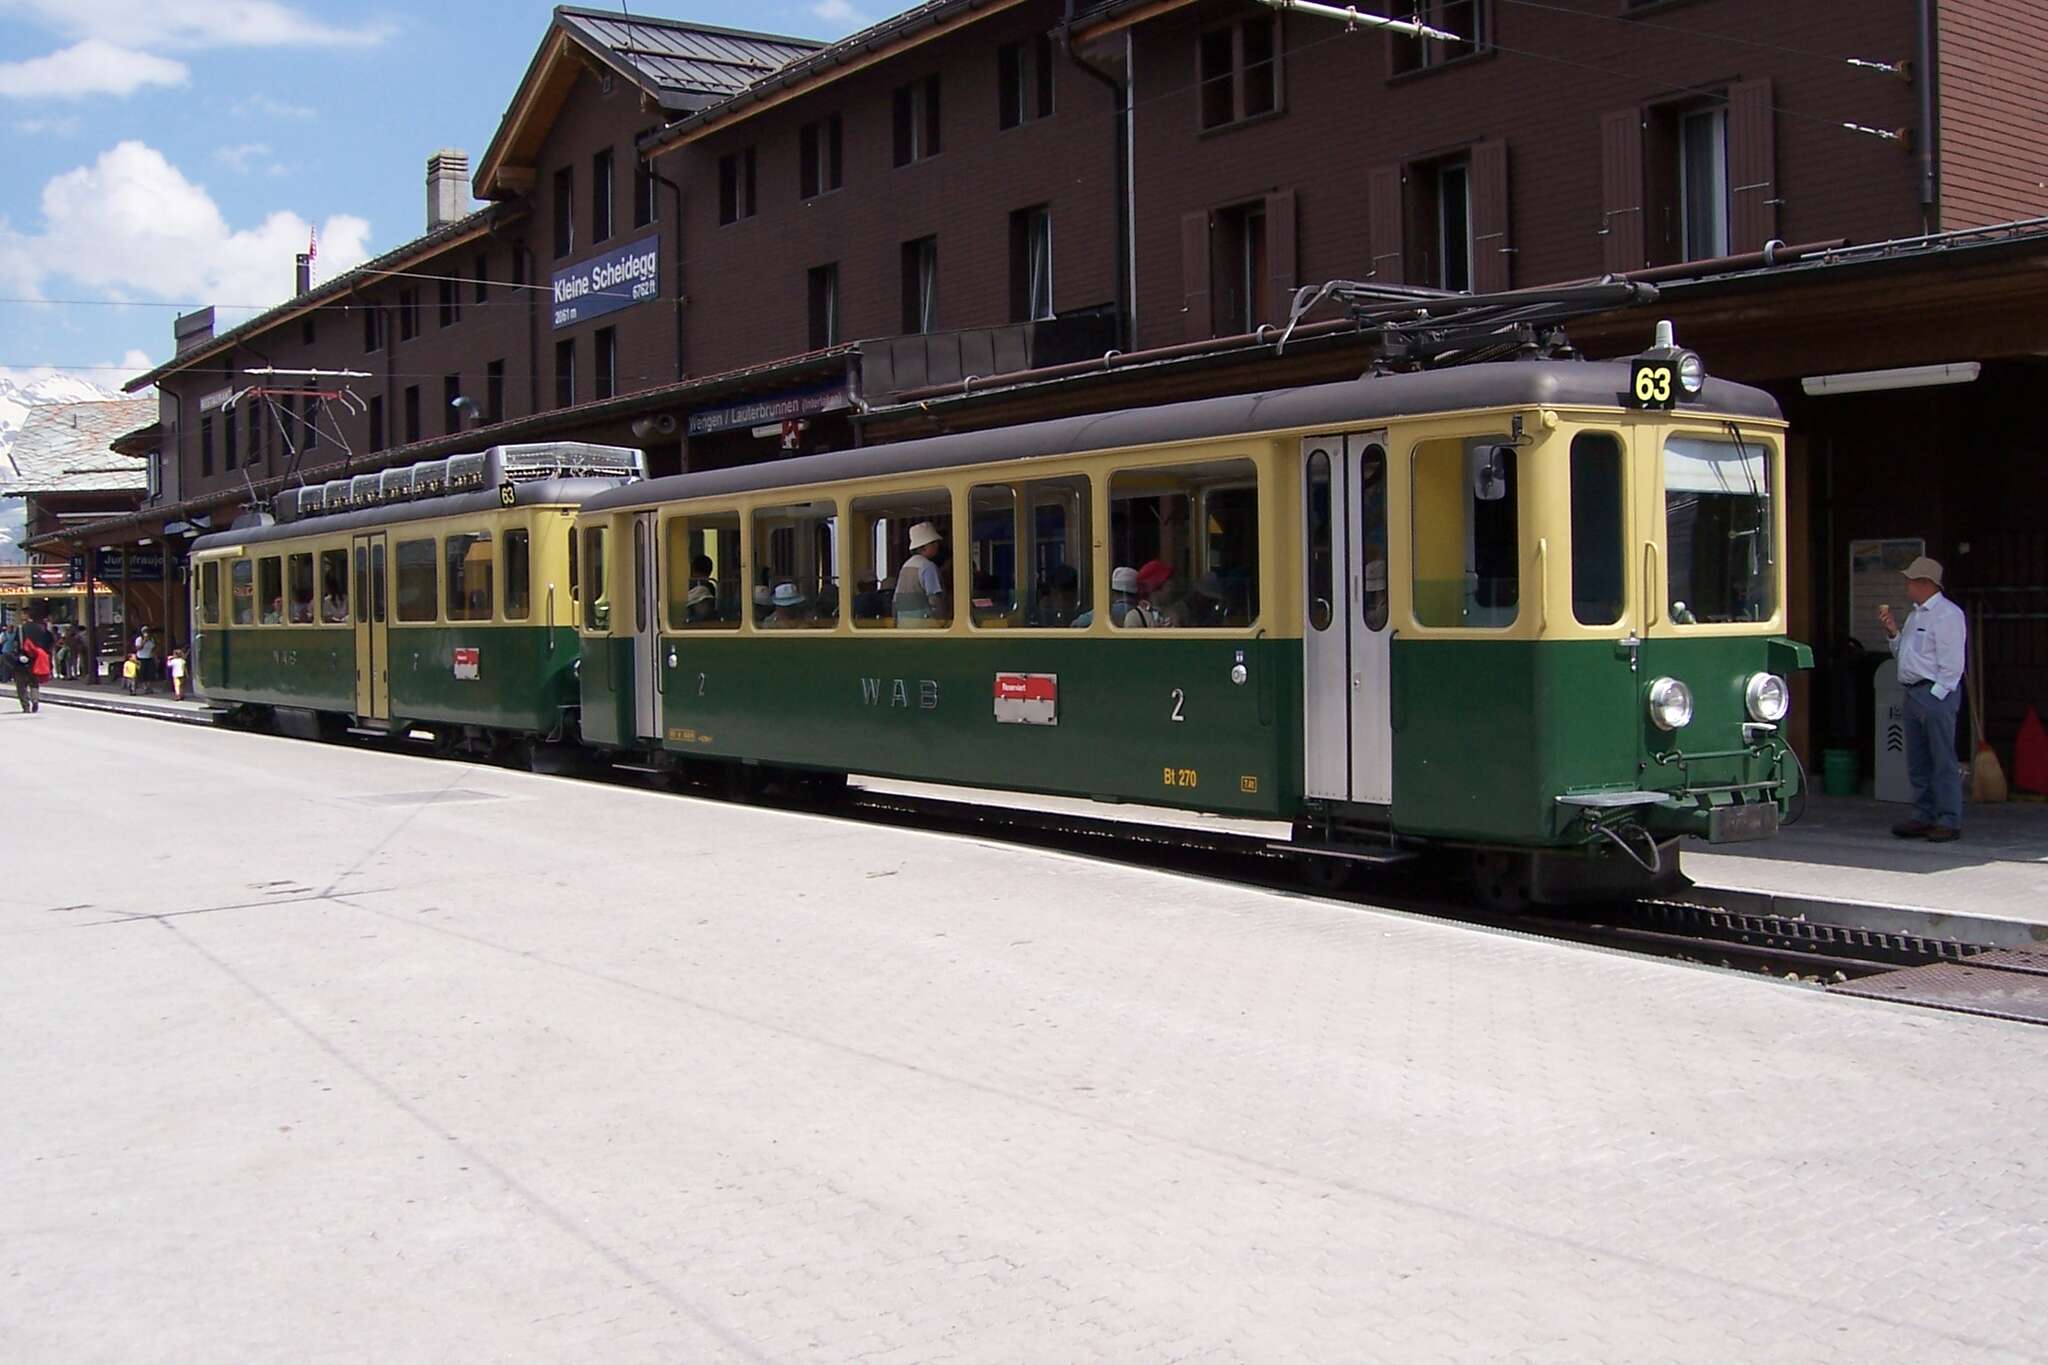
(1987, 775)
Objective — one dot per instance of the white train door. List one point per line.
(1347, 656)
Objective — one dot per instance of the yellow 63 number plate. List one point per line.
(1652, 384)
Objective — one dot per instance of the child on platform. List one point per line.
(176, 665)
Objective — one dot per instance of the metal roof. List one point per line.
(669, 55)
(1374, 399)
(67, 447)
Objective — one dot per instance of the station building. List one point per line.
(725, 247)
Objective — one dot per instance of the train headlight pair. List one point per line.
(1670, 704)
(1767, 697)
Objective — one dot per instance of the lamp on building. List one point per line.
(1873, 381)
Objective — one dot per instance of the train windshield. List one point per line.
(1717, 527)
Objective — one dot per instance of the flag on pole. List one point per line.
(313, 247)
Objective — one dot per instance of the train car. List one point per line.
(436, 597)
(1530, 612)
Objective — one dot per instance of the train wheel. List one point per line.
(1501, 880)
(1327, 875)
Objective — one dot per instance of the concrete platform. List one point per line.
(1843, 850)
(117, 699)
(320, 1053)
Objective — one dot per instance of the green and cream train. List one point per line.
(1530, 612)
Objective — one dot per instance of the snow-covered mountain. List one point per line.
(18, 393)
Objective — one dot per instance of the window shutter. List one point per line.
(1280, 254)
(1621, 191)
(1752, 167)
(1194, 276)
(1491, 256)
(1383, 192)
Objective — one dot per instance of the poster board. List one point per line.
(1876, 577)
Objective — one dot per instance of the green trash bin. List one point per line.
(1839, 775)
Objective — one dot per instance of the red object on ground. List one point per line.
(2030, 755)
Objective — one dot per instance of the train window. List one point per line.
(1189, 537)
(377, 597)
(518, 575)
(242, 593)
(597, 608)
(1372, 536)
(270, 590)
(1598, 552)
(415, 565)
(471, 557)
(992, 555)
(1718, 535)
(898, 584)
(1468, 558)
(334, 586)
(1322, 584)
(209, 592)
(704, 575)
(796, 566)
(299, 583)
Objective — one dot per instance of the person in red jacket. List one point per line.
(32, 668)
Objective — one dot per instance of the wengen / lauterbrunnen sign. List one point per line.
(618, 279)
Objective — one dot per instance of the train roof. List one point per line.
(1347, 403)
(538, 493)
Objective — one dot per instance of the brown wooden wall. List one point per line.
(1348, 130)
(1992, 59)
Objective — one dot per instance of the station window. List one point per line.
(1717, 531)
(895, 587)
(209, 592)
(334, 586)
(1190, 534)
(270, 590)
(299, 581)
(597, 607)
(796, 558)
(704, 576)
(518, 575)
(470, 558)
(415, 579)
(1597, 540)
(1468, 555)
(242, 593)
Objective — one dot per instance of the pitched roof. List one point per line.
(66, 447)
(679, 67)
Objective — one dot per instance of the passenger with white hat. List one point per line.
(920, 588)
(1930, 653)
(1126, 599)
(788, 602)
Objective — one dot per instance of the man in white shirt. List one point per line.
(1930, 653)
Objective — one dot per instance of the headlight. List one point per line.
(1767, 697)
(1670, 704)
(1692, 372)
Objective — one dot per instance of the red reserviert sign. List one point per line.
(1027, 699)
(469, 664)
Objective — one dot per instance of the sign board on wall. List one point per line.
(603, 284)
(1877, 570)
(783, 407)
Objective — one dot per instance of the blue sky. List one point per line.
(178, 151)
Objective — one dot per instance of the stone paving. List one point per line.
(315, 1053)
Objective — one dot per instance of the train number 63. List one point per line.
(1653, 384)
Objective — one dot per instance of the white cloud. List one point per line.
(58, 126)
(264, 106)
(92, 67)
(840, 12)
(194, 23)
(132, 222)
(238, 157)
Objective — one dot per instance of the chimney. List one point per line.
(305, 272)
(193, 329)
(447, 187)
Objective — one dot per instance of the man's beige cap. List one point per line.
(1923, 567)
